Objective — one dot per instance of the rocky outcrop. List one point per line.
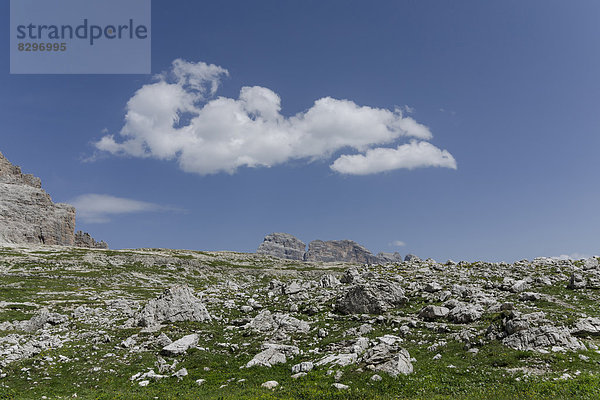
(29, 216)
(372, 298)
(174, 305)
(339, 250)
(27, 213)
(83, 239)
(282, 245)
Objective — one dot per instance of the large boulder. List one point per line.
(534, 332)
(282, 245)
(173, 305)
(371, 298)
(180, 346)
(432, 312)
(339, 250)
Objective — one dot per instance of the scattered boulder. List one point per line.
(340, 386)
(180, 346)
(590, 263)
(432, 287)
(587, 326)
(341, 359)
(372, 298)
(577, 281)
(306, 366)
(542, 337)
(266, 322)
(270, 384)
(533, 332)
(465, 313)
(267, 358)
(431, 312)
(176, 304)
(329, 281)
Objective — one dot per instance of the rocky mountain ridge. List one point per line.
(284, 245)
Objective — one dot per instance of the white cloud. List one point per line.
(412, 155)
(398, 243)
(172, 119)
(98, 208)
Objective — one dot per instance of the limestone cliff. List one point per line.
(27, 213)
(339, 250)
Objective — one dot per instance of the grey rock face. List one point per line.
(175, 304)
(29, 216)
(11, 174)
(282, 245)
(27, 213)
(371, 298)
(83, 239)
(339, 250)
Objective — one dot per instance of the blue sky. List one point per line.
(509, 89)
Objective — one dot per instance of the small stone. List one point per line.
(340, 386)
(181, 373)
(376, 378)
(144, 383)
(270, 384)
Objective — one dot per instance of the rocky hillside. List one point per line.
(28, 215)
(169, 324)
